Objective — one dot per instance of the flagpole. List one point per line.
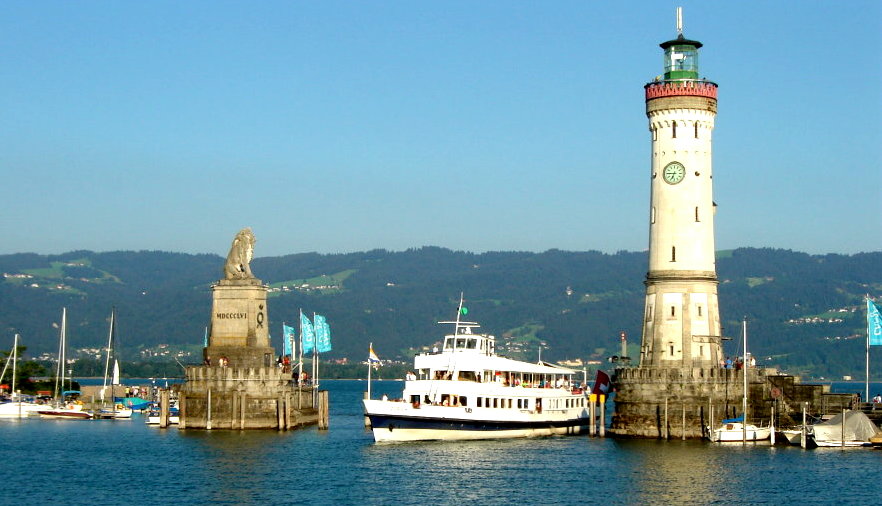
(371, 346)
(867, 398)
(315, 367)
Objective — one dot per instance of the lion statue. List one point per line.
(241, 252)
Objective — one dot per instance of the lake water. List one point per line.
(117, 462)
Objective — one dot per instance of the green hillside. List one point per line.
(805, 311)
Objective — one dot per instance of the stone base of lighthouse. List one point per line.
(682, 402)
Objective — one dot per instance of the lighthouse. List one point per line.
(679, 389)
(681, 323)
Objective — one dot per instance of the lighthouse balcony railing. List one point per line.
(680, 87)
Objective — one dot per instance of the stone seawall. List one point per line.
(683, 402)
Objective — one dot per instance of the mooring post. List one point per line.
(208, 411)
(182, 411)
(242, 410)
(667, 429)
(602, 407)
(683, 436)
(802, 441)
(367, 419)
(163, 409)
(280, 413)
(323, 410)
(592, 428)
(842, 429)
(772, 426)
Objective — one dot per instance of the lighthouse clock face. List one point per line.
(674, 172)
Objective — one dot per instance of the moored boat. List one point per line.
(71, 410)
(118, 411)
(467, 391)
(849, 428)
(736, 431)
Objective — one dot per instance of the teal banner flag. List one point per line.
(306, 334)
(322, 334)
(287, 340)
(874, 324)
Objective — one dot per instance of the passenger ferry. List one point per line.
(467, 391)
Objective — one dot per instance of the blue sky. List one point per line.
(346, 126)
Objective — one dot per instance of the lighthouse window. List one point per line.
(655, 134)
(673, 253)
(673, 311)
(674, 130)
(672, 350)
(699, 310)
(696, 214)
(696, 129)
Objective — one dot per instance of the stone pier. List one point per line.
(216, 397)
(668, 402)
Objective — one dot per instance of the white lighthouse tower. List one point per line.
(681, 325)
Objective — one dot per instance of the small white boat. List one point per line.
(18, 406)
(732, 432)
(153, 418)
(794, 436)
(19, 409)
(69, 411)
(467, 391)
(118, 411)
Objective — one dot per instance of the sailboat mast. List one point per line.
(744, 370)
(14, 365)
(59, 371)
(107, 351)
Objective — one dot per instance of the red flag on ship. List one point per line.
(601, 383)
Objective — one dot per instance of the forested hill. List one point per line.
(805, 311)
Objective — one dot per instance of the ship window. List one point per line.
(463, 400)
(479, 401)
(461, 343)
(495, 403)
(674, 130)
(448, 343)
(471, 344)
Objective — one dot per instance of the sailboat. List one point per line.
(118, 410)
(16, 407)
(737, 429)
(63, 409)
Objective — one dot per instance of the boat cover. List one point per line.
(857, 428)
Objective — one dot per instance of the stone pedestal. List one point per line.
(216, 397)
(239, 385)
(239, 325)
